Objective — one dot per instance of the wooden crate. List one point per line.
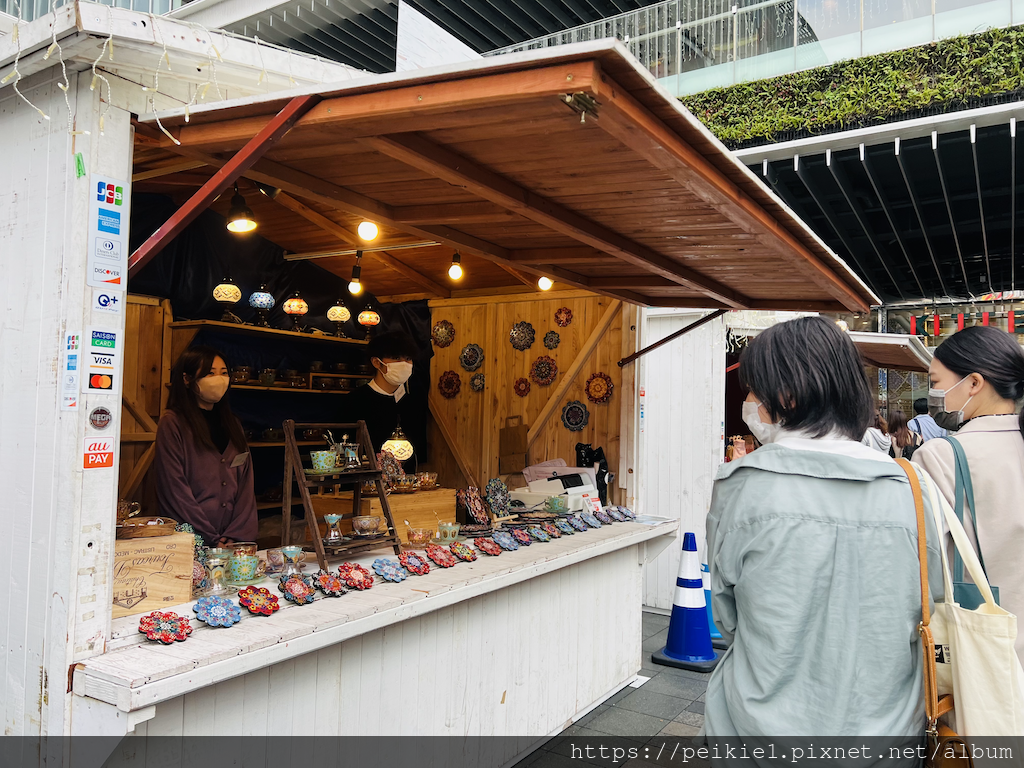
(152, 574)
(418, 508)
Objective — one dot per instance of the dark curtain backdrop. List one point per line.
(189, 268)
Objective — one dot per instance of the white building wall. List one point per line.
(56, 518)
(682, 439)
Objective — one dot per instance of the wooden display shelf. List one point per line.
(304, 390)
(217, 325)
(423, 509)
(276, 504)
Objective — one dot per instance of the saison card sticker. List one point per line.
(102, 361)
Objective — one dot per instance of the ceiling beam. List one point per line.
(635, 126)
(632, 281)
(244, 159)
(347, 237)
(155, 173)
(560, 256)
(418, 152)
(392, 103)
(454, 213)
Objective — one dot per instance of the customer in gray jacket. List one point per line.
(812, 544)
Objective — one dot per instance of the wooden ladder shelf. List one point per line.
(354, 478)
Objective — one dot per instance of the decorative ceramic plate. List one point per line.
(413, 563)
(462, 552)
(355, 576)
(329, 583)
(522, 537)
(565, 527)
(578, 524)
(551, 530)
(575, 416)
(614, 514)
(538, 534)
(297, 589)
(217, 611)
(627, 513)
(476, 382)
(167, 627)
(199, 580)
(449, 384)
(472, 357)
(497, 496)
(505, 540)
(487, 545)
(599, 387)
(552, 340)
(390, 467)
(603, 516)
(440, 555)
(590, 520)
(470, 499)
(522, 335)
(563, 316)
(522, 387)
(258, 601)
(390, 570)
(318, 473)
(544, 370)
(443, 333)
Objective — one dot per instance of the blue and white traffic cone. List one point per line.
(689, 636)
(717, 641)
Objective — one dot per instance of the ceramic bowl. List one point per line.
(420, 537)
(407, 484)
(427, 480)
(447, 532)
(365, 524)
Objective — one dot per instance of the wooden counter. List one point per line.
(482, 642)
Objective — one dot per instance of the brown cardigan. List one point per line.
(201, 487)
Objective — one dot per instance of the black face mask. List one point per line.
(949, 420)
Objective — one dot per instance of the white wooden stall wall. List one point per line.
(55, 558)
(682, 442)
(490, 666)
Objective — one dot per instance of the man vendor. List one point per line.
(384, 402)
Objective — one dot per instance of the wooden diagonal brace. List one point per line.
(222, 179)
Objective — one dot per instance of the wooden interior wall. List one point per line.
(143, 395)
(473, 419)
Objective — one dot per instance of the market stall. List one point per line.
(570, 167)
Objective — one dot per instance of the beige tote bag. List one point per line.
(974, 650)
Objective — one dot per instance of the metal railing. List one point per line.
(693, 45)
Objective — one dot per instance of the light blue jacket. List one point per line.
(815, 575)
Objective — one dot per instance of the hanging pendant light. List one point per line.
(339, 315)
(545, 283)
(354, 286)
(228, 294)
(398, 444)
(241, 219)
(455, 270)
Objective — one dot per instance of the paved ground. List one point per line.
(669, 708)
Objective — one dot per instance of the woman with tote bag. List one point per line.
(976, 379)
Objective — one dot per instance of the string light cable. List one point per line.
(14, 74)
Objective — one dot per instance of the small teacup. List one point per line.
(275, 561)
(243, 548)
(324, 461)
(293, 556)
(246, 567)
(448, 532)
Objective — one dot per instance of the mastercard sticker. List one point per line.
(101, 381)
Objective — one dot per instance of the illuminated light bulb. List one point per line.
(455, 270)
(355, 288)
(545, 283)
(368, 230)
(241, 219)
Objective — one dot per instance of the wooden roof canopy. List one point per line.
(568, 163)
(892, 350)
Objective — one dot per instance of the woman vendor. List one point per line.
(203, 468)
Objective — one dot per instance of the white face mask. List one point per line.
(397, 373)
(765, 433)
(212, 388)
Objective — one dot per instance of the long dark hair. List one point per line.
(990, 352)
(195, 363)
(898, 429)
(809, 376)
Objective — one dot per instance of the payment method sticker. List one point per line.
(102, 353)
(108, 233)
(98, 452)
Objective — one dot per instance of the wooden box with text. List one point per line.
(152, 574)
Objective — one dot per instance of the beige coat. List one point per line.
(995, 455)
